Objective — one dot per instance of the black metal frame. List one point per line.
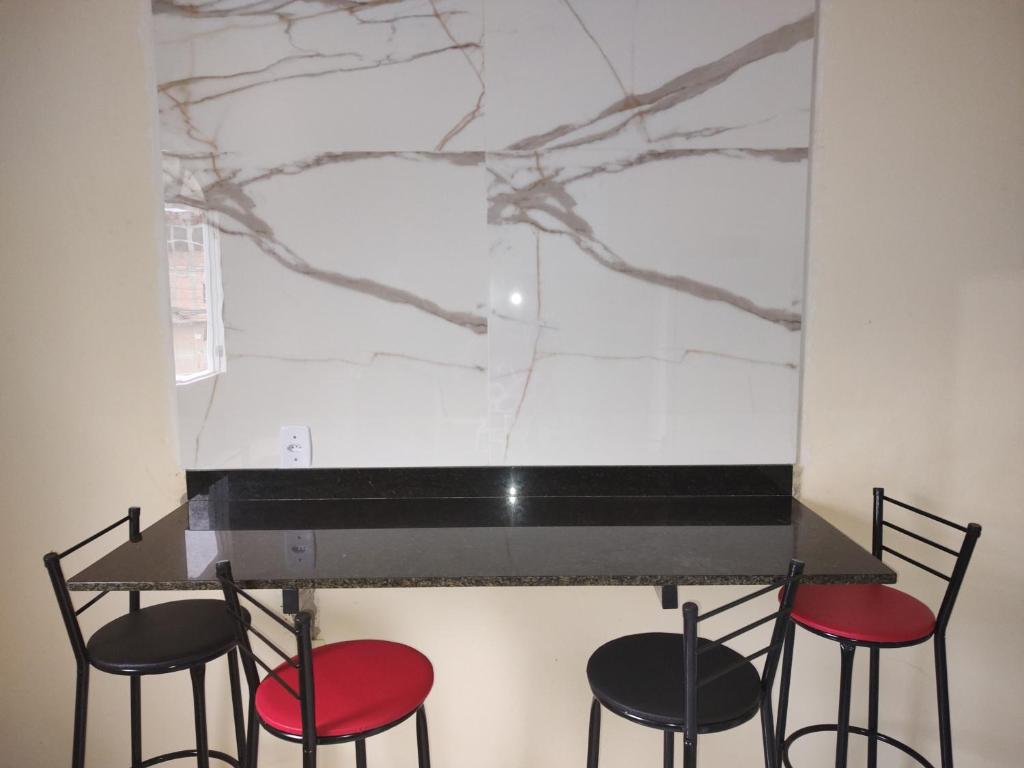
(202, 752)
(847, 646)
(692, 680)
(302, 632)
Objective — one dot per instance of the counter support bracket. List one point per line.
(295, 600)
(669, 596)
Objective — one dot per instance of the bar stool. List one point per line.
(877, 616)
(156, 640)
(685, 683)
(336, 693)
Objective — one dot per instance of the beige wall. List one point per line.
(914, 354)
(86, 398)
(914, 363)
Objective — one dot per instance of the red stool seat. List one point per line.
(872, 613)
(360, 685)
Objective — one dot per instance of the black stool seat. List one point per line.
(640, 677)
(164, 638)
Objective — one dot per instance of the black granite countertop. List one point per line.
(689, 534)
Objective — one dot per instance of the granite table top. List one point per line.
(282, 540)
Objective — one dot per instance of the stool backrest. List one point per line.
(693, 680)
(955, 578)
(302, 661)
(59, 583)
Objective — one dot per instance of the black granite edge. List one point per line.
(320, 514)
(488, 481)
(485, 581)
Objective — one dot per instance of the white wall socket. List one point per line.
(300, 552)
(296, 448)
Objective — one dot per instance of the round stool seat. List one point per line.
(359, 686)
(640, 677)
(164, 638)
(870, 613)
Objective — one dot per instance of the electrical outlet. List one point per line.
(296, 448)
(300, 552)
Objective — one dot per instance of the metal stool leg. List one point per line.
(136, 720)
(785, 676)
(198, 673)
(942, 690)
(361, 753)
(236, 706)
(689, 753)
(873, 709)
(594, 736)
(767, 731)
(669, 749)
(252, 742)
(81, 710)
(845, 691)
(422, 741)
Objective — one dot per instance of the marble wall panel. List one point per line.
(483, 231)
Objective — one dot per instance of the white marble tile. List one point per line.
(343, 312)
(653, 314)
(565, 73)
(270, 82)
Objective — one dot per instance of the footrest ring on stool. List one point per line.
(832, 727)
(182, 754)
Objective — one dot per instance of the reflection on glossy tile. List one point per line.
(471, 231)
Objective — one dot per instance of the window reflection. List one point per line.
(194, 271)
